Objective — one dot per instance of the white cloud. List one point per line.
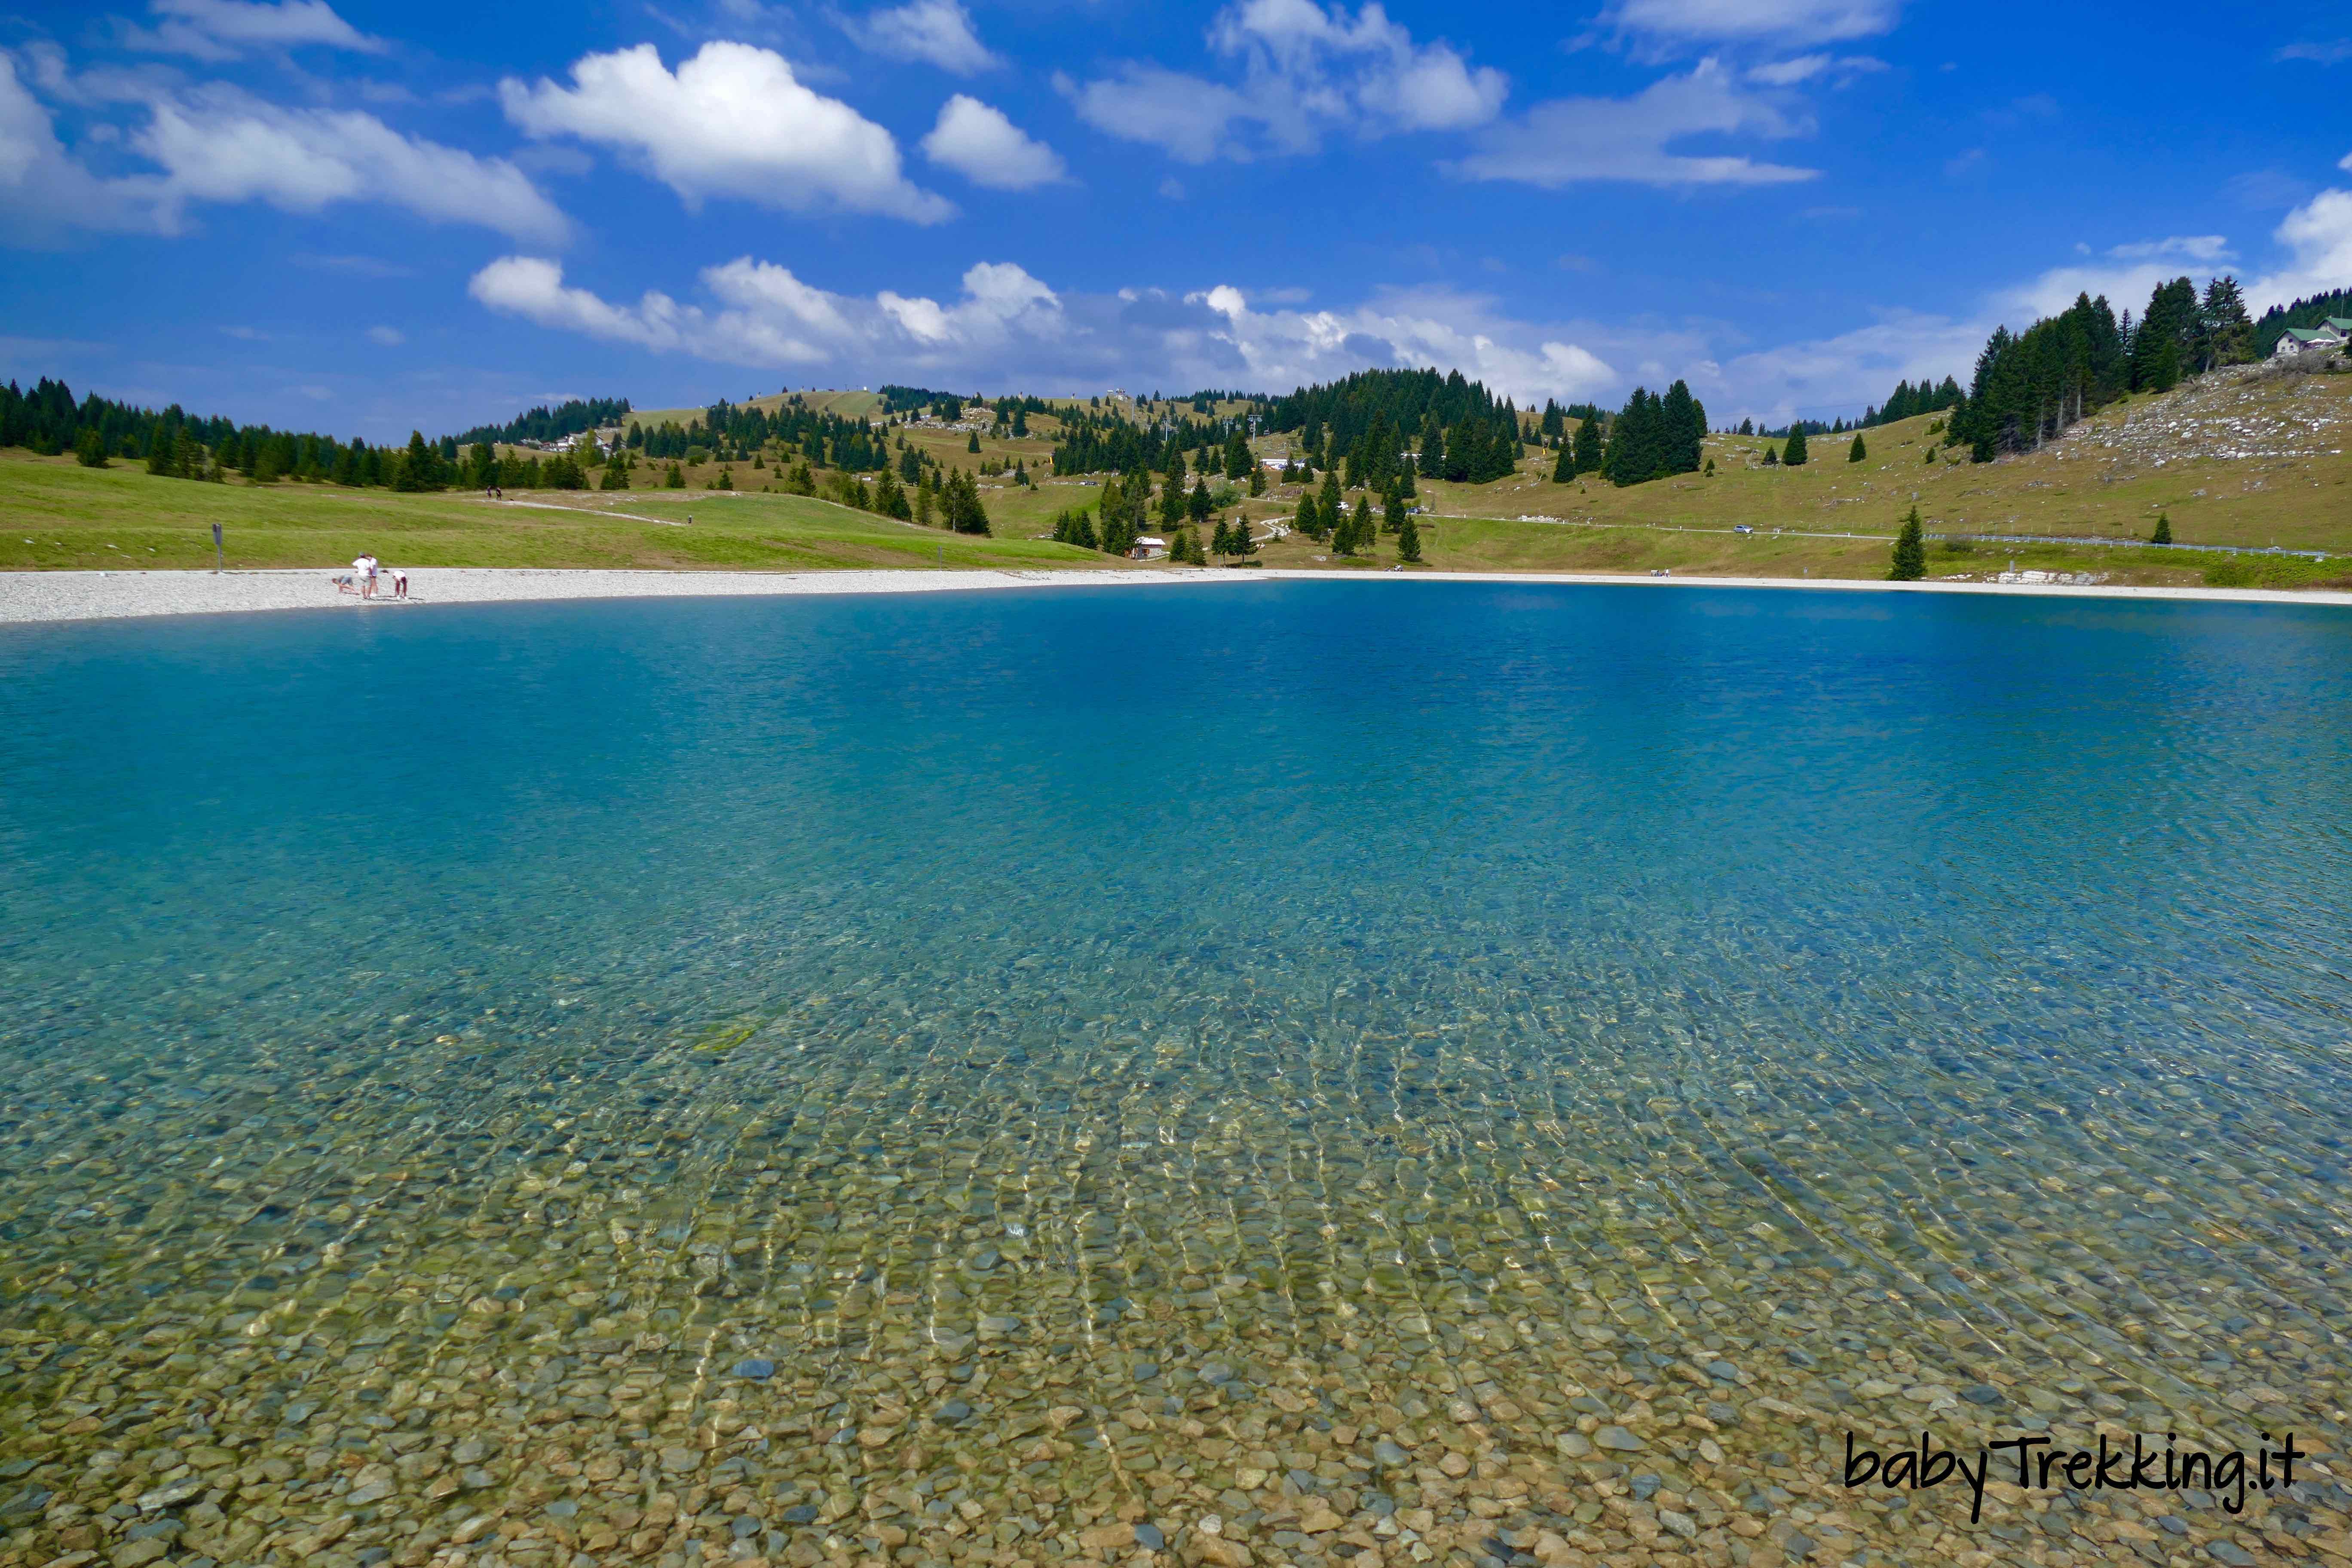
(2333, 53)
(1798, 22)
(215, 143)
(768, 316)
(1838, 375)
(2205, 247)
(225, 29)
(1009, 328)
(390, 337)
(1571, 140)
(733, 121)
(1805, 67)
(2344, 163)
(2318, 237)
(44, 190)
(979, 142)
(938, 32)
(1305, 70)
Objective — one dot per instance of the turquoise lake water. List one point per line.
(1449, 1011)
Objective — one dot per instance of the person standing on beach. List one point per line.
(363, 574)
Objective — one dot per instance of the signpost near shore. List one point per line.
(217, 549)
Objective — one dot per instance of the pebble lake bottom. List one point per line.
(1320, 1074)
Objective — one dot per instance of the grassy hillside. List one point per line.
(2246, 458)
(55, 513)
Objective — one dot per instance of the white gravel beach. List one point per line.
(106, 595)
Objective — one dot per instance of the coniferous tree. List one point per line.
(1243, 543)
(674, 479)
(1221, 541)
(964, 512)
(890, 498)
(616, 473)
(1173, 508)
(1306, 522)
(971, 443)
(1393, 514)
(1857, 452)
(1796, 454)
(1363, 530)
(1910, 551)
(89, 447)
(1197, 505)
(1332, 505)
(1408, 538)
(2163, 534)
(1238, 462)
(2165, 340)
(1563, 467)
(419, 469)
(2225, 335)
(1256, 479)
(159, 449)
(1587, 446)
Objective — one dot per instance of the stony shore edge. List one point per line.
(66, 596)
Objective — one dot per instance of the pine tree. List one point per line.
(1393, 514)
(1857, 452)
(1243, 543)
(1408, 540)
(1257, 479)
(419, 469)
(1796, 455)
(1237, 456)
(1307, 523)
(1219, 544)
(1197, 506)
(1331, 504)
(159, 450)
(1363, 530)
(90, 448)
(1587, 446)
(616, 474)
(674, 479)
(2163, 534)
(1910, 551)
(971, 443)
(1563, 468)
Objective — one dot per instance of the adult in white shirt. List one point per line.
(359, 573)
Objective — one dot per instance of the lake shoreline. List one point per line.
(82, 595)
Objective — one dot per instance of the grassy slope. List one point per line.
(2105, 483)
(121, 517)
(1833, 518)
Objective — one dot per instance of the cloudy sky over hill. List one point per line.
(366, 216)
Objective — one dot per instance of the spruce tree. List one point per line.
(1408, 540)
(1365, 530)
(675, 478)
(90, 448)
(1220, 543)
(972, 443)
(1392, 516)
(1257, 479)
(1587, 446)
(1563, 468)
(1243, 543)
(1197, 505)
(1334, 506)
(2163, 534)
(159, 449)
(1796, 455)
(1910, 551)
(1857, 452)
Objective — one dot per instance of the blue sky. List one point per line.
(366, 217)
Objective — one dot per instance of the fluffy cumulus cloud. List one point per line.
(1570, 139)
(977, 141)
(1009, 328)
(1758, 22)
(1300, 71)
(218, 145)
(734, 121)
(764, 315)
(2317, 239)
(221, 145)
(225, 29)
(937, 32)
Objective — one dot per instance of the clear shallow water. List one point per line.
(1455, 1015)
